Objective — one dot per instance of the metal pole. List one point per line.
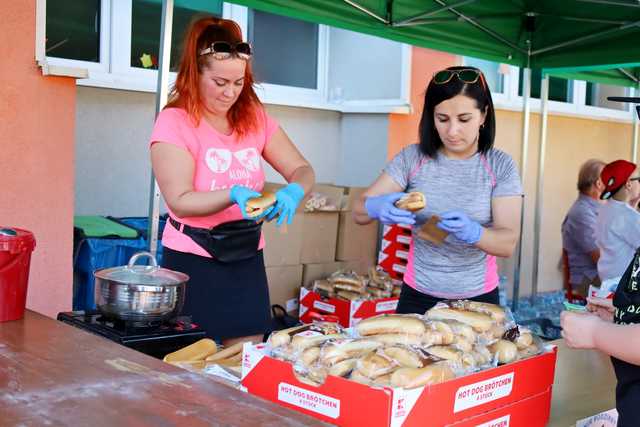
(162, 94)
(526, 92)
(544, 114)
(636, 131)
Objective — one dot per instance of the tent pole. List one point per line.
(636, 130)
(526, 92)
(162, 94)
(544, 114)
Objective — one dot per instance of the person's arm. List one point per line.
(500, 239)
(588, 331)
(383, 185)
(173, 168)
(285, 158)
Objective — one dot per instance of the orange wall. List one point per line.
(403, 129)
(36, 158)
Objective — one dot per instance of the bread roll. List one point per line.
(445, 352)
(227, 352)
(495, 311)
(413, 201)
(416, 377)
(391, 324)
(391, 339)
(524, 340)
(375, 364)
(258, 205)
(199, 350)
(283, 337)
(303, 341)
(504, 350)
(310, 355)
(529, 351)
(338, 351)
(349, 296)
(408, 357)
(478, 321)
(342, 369)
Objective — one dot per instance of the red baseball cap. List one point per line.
(614, 175)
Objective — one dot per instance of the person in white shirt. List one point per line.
(618, 225)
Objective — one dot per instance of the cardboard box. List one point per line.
(283, 245)
(284, 284)
(518, 391)
(355, 242)
(348, 313)
(311, 272)
(319, 237)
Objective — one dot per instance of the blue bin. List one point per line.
(93, 253)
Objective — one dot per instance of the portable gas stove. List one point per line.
(156, 339)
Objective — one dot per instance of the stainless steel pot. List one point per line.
(143, 293)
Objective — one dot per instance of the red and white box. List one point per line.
(516, 394)
(347, 313)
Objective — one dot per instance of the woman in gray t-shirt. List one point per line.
(474, 189)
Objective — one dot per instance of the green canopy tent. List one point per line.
(526, 33)
(625, 75)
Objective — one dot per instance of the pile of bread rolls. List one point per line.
(409, 350)
(350, 286)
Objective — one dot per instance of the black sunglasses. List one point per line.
(225, 50)
(466, 75)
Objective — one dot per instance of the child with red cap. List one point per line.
(615, 329)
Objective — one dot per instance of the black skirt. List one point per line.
(227, 300)
(413, 301)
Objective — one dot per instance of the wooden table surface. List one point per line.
(57, 375)
(584, 385)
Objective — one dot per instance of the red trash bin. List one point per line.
(16, 246)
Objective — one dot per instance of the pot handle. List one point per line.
(141, 254)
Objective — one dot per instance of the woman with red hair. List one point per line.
(206, 150)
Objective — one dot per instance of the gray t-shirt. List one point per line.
(579, 239)
(454, 269)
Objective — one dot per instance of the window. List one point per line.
(145, 28)
(285, 50)
(596, 95)
(559, 89)
(492, 71)
(73, 30)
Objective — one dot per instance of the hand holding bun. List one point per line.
(413, 201)
(259, 206)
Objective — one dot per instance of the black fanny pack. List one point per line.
(227, 242)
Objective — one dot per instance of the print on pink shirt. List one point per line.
(218, 159)
(242, 167)
(248, 158)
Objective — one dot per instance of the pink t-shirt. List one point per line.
(221, 161)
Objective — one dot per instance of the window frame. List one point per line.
(105, 42)
(114, 70)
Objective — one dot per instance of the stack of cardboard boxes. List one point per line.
(317, 244)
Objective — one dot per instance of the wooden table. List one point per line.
(584, 385)
(57, 375)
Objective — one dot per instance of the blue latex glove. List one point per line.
(461, 226)
(240, 194)
(383, 209)
(287, 200)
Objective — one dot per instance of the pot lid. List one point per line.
(132, 274)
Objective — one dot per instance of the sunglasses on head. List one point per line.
(225, 50)
(466, 75)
